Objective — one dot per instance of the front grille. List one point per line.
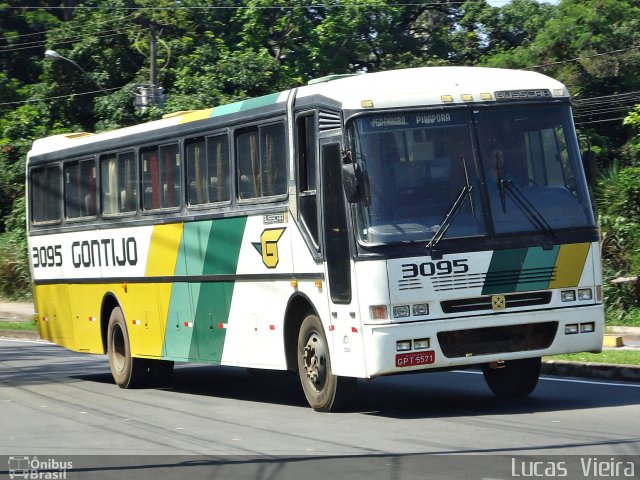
(443, 283)
(491, 340)
(485, 302)
(410, 284)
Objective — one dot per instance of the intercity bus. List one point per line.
(358, 226)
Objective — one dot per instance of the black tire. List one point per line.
(324, 391)
(514, 379)
(128, 372)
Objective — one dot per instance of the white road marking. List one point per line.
(25, 340)
(568, 380)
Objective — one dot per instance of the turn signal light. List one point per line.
(378, 312)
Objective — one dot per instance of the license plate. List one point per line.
(413, 359)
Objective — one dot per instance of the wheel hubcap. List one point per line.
(314, 361)
(118, 349)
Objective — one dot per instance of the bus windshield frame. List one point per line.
(517, 166)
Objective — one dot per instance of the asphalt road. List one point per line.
(222, 422)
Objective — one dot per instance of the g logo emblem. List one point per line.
(268, 246)
(498, 302)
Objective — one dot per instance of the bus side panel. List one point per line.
(140, 307)
(196, 313)
(54, 317)
(212, 299)
(142, 302)
(256, 316)
(85, 301)
(176, 309)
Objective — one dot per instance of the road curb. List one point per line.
(606, 371)
(27, 334)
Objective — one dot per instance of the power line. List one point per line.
(33, 100)
(71, 39)
(245, 7)
(62, 27)
(577, 59)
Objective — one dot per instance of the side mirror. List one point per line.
(590, 167)
(352, 182)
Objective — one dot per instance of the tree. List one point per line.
(591, 46)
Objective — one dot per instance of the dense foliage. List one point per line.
(216, 51)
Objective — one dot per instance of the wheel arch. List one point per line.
(298, 307)
(109, 302)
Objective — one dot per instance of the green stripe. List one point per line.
(178, 338)
(245, 105)
(208, 248)
(213, 301)
(504, 271)
(537, 269)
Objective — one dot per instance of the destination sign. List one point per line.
(414, 120)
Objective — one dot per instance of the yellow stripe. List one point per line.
(163, 251)
(195, 115)
(569, 265)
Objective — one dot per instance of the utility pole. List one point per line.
(152, 94)
(153, 59)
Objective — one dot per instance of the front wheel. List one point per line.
(324, 390)
(514, 378)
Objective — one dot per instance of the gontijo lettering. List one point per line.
(105, 252)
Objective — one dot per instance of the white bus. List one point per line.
(359, 226)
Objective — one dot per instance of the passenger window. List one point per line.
(119, 183)
(161, 177)
(208, 169)
(80, 189)
(262, 161)
(46, 194)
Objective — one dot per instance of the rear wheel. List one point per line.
(324, 390)
(128, 372)
(514, 378)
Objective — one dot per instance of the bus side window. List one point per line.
(262, 161)
(273, 159)
(161, 177)
(80, 189)
(170, 176)
(118, 183)
(307, 174)
(208, 169)
(218, 168)
(248, 164)
(46, 194)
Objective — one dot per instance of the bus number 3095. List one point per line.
(429, 269)
(49, 256)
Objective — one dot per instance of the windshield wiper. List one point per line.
(453, 210)
(523, 203)
(501, 181)
(506, 186)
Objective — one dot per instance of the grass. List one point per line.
(25, 326)
(631, 319)
(617, 356)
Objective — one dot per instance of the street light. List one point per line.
(55, 56)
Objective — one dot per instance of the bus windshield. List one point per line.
(519, 163)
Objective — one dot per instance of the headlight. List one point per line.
(401, 311)
(585, 294)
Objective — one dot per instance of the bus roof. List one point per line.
(430, 86)
(425, 86)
